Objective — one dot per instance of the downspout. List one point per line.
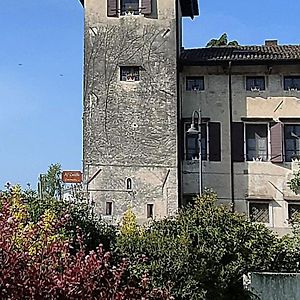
(230, 134)
(179, 168)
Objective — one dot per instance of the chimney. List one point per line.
(271, 43)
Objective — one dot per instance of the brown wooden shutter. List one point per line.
(112, 8)
(276, 142)
(146, 7)
(214, 131)
(237, 150)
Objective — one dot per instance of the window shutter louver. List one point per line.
(146, 7)
(276, 142)
(214, 129)
(237, 150)
(112, 8)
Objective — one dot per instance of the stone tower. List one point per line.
(130, 116)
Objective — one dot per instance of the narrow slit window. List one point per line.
(150, 211)
(130, 74)
(129, 184)
(108, 208)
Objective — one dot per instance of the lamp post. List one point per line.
(193, 130)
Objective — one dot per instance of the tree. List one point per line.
(221, 41)
(202, 253)
(36, 261)
(294, 183)
(50, 184)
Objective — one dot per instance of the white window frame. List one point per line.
(283, 83)
(129, 14)
(283, 136)
(256, 90)
(193, 91)
(268, 140)
(270, 224)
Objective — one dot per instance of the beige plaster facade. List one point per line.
(254, 181)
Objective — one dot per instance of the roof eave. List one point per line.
(189, 8)
(191, 12)
(240, 62)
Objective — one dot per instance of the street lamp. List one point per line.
(193, 131)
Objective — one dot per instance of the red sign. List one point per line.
(72, 176)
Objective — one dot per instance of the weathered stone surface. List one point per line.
(130, 128)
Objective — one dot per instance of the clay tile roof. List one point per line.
(243, 54)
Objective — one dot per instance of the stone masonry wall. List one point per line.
(130, 128)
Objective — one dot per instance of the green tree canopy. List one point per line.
(203, 251)
(221, 41)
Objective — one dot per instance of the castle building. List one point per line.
(249, 98)
(142, 93)
(131, 112)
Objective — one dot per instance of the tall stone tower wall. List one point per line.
(130, 127)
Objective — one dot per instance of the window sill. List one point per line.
(194, 91)
(130, 81)
(131, 15)
(269, 225)
(107, 216)
(255, 92)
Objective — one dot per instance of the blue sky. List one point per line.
(41, 57)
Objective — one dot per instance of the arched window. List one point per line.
(129, 184)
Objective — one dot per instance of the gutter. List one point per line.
(230, 134)
(179, 168)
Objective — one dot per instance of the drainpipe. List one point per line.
(230, 134)
(179, 99)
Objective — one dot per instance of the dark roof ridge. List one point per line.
(241, 53)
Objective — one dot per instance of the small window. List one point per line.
(108, 208)
(293, 210)
(291, 83)
(130, 73)
(291, 141)
(129, 184)
(255, 83)
(150, 210)
(192, 143)
(259, 212)
(189, 199)
(129, 7)
(256, 142)
(194, 83)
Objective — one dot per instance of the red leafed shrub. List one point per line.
(36, 263)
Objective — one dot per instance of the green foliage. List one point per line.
(294, 183)
(51, 183)
(203, 252)
(221, 41)
(287, 250)
(94, 229)
(79, 213)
